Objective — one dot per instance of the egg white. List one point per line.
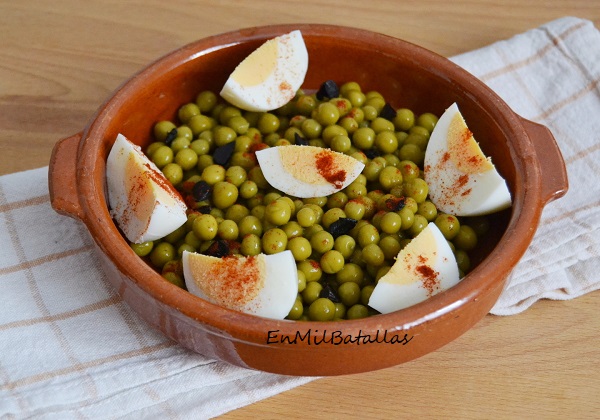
(293, 170)
(272, 282)
(424, 268)
(141, 200)
(455, 186)
(270, 76)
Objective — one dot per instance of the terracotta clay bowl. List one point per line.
(408, 76)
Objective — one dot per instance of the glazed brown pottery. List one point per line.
(524, 153)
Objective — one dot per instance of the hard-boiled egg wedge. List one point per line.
(423, 268)
(307, 171)
(142, 201)
(270, 76)
(462, 180)
(263, 285)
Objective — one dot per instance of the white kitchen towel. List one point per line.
(551, 75)
(70, 348)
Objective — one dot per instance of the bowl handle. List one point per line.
(555, 182)
(62, 177)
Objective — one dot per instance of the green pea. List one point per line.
(205, 227)
(296, 311)
(373, 255)
(332, 131)
(391, 222)
(404, 119)
(223, 135)
(369, 111)
(332, 261)
(390, 177)
(305, 104)
(255, 174)
(184, 247)
(162, 253)
(206, 100)
(162, 156)
(180, 143)
(248, 189)
(300, 248)
(349, 293)
(341, 143)
(418, 225)
(351, 272)
(268, 123)
(349, 124)
(390, 246)
(354, 209)
(173, 173)
(321, 309)
(250, 225)
(292, 229)
(311, 269)
(224, 194)
(192, 239)
(465, 239)
(213, 174)
(345, 245)
(200, 146)
(416, 189)
(417, 129)
(278, 213)
(411, 152)
(142, 249)
(274, 240)
(356, 98)
(418, 140)
(236, 213)
(187, 111)
(365, 294)
(228, 230)
(372, 169)
(311, 292)
(301, 281)
(322, 241)
(186, 159)
(462, 260)
(332, 215)
(327, 113)
(380, 125)
(174, 278)
(251, 245)
(311, 128)
(200, 123)
(368, 234)
(386, 141)
(428, 210)
(364, 138)
(162, 130)
(357, 311)
(340, 310)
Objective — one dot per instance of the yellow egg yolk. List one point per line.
(230, 281)
(139, 187)
(257, 67)
(415, 264)
(464, 152)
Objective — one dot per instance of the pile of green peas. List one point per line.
(388, 201)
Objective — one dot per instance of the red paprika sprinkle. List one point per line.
(429, 278)
(328, 169)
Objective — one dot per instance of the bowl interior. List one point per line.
(407, 76)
